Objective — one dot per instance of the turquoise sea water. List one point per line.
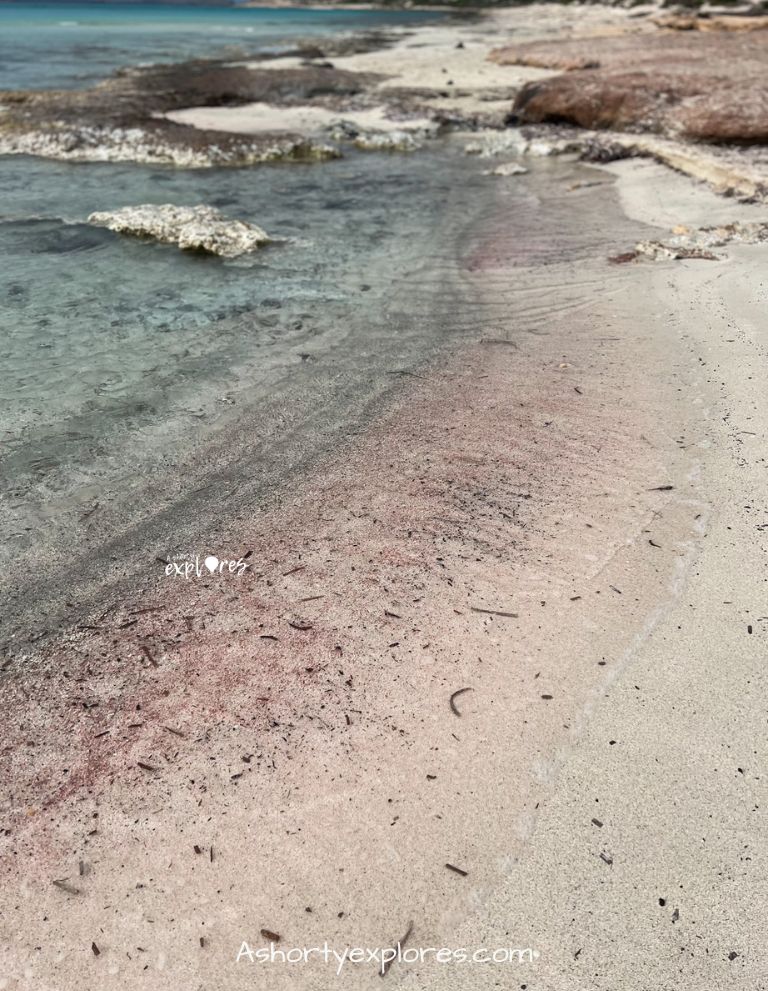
(147, 393)
(44, 46)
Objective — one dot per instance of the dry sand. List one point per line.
(257, 118)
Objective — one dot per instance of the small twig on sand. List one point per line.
(452, 700)
(398, 945)
(457, 870)
(494, 612)
(299, 567)
(64, 884)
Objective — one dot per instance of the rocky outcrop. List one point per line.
(122, 118)
(709, 87)
(686, 242)
(732, 170)
(703, 22)
(192, 228)
(696, 107)
(182, 147)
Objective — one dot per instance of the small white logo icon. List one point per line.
(211, 563)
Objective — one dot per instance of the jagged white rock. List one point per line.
(490, 143)
(119, 144)
(192, 228)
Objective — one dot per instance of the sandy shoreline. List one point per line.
(527, 479)
(563, 513)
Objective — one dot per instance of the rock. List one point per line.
(725, 22)
(709, 86)
(694, 107)
(488, 144)
(388, 138)
(192, 228)
(507, 168)
(397, 140)
(125, 117)
(169, 144)
(605, 150)
(733, 171)
(542, 60)
(698, 243)
(659, 251)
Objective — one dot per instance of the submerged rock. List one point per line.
(507, 169)
(192, 228)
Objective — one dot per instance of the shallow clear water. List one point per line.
(50, 45)
(149, 395)
(93, 323)
(134, 376)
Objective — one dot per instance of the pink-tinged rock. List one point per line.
(704, 86)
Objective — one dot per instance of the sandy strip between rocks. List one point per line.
(447, 63)
(257, 118)
(278, 752)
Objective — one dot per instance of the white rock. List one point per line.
(507, 168)
(119, 144)
(192, 228)
(489, 143)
